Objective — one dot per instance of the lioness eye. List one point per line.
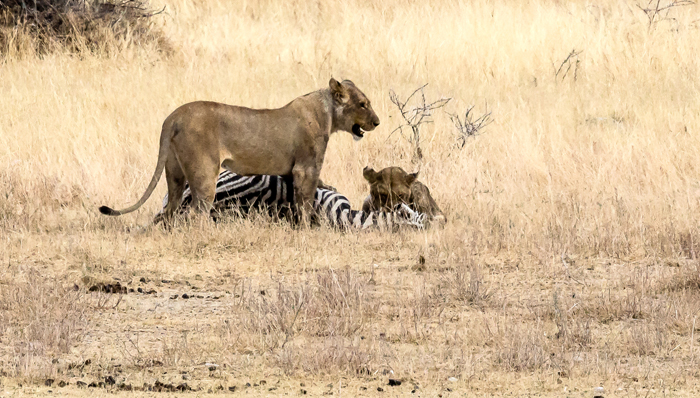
(363, 105)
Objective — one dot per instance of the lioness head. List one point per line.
(353, 111)
(392, 186)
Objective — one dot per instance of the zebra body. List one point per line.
(276, 195)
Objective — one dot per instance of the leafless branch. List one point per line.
(654, 9)
(569, 61)
(415, 115)
(470, 127)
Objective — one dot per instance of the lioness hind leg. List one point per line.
(202, 179)
(175, 177)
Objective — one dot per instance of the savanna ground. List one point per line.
(570, 260)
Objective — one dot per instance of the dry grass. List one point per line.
(571, 254)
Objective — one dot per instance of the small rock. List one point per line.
(379, 389)
(598, 392)
(62, 383)
(48, 382)
(185, 296)
(232, 388)
(173, 297)
(140, 290)
(303, 392)
(247, 385)
(142, 280)
(452, 379)
(110, 380)
(394, 382)
(81, 384)
(302, 384)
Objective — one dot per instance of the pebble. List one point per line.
(598, 392)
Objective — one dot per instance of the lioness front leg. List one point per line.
(305, 182)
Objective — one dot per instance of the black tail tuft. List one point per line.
(108, 211)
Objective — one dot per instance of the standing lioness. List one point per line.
(200, 137)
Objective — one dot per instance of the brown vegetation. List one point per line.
(570, 259)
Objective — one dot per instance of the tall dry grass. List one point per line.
(600, 161)
(584, 168)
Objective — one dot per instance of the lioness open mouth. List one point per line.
(357, 132)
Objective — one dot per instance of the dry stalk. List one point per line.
(470, 127)
(655, 11)
(416, 115)
(570, 61)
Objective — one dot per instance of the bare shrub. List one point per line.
(465, 283)
(328, 304)
(415, 111)
(39, 318)
(655, 11)
(342, 304)
(468, 127)
(332, 356)
(76, 25)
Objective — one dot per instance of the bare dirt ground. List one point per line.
(343, 315)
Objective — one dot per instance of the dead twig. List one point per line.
(568, 62)
(654, 10)
(416, 115)
(470, 127)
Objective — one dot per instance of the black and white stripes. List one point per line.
(275, 194)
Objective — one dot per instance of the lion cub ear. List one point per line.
(411, 178)
(337, 90)
(370, 175)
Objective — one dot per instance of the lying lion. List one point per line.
(201, 137)
(243, 194)
(392, 186)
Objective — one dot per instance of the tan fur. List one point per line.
(392, 185)
(200, 137)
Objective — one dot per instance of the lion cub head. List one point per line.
(353, 111)
(392, 186)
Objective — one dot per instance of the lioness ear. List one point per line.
(411, 178)
(369, 174)
(337, 90)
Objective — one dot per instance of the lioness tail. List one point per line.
(162, 155)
